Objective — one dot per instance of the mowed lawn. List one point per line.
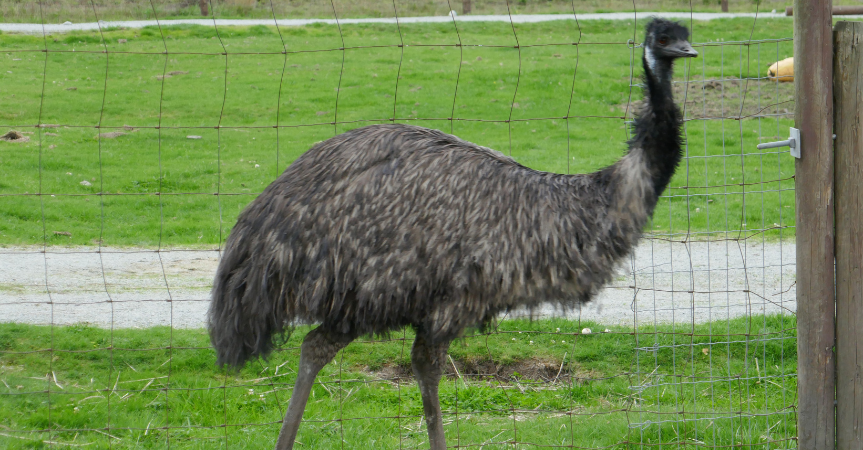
(258, 97)
(523, 385)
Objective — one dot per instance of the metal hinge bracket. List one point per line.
(793, 142)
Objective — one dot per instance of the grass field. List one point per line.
(527, 384)
(157, 185)
(540, 383)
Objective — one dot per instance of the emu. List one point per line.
(389, 226)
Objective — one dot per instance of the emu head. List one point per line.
(664, 42)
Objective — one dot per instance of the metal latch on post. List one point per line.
(793, 142)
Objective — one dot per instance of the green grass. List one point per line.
(144, 387)
(147, 388)
(298, 91)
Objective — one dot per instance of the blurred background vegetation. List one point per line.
(59, 11)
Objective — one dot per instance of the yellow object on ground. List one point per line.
(782, 70)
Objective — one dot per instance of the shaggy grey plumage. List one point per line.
(394, 225)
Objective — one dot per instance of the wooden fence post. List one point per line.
(813, 116)
(848, 95)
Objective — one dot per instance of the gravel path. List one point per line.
(664, 282)
(35, 28)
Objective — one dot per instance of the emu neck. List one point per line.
(636, 181)
(658, 73)
(657, 126)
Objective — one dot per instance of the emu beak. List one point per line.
(683, 49)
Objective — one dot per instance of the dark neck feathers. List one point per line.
(657, 125)
(635, 182)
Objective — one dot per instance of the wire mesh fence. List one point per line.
(726, 273)
(138, 147)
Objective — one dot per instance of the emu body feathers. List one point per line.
(394, 225)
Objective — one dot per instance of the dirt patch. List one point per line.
(730, 98)
(111, 135)
(533, 370)
(172, 74)
(14, 136)
(116, 134)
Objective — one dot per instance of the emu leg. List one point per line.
(427, 362)
(319, 348)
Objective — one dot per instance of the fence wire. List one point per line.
(692, 345)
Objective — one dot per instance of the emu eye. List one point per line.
(663, 40)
